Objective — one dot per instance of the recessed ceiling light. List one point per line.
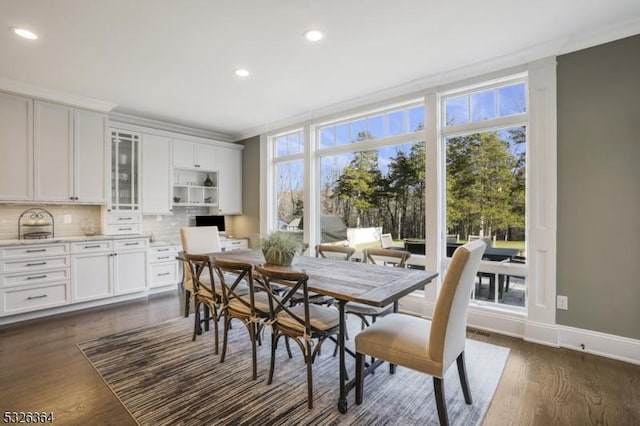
(313, 35)
(241, 72)
(24, 33)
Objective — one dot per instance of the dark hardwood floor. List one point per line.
(41, 369)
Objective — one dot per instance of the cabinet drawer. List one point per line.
(123, 219)
(33, 251)
(131, 244)
(37, 297)
(124, 229)
(162, 254)
(35, 277)
(91, 247)
(28, 265)
(163, 274)
(233, 245)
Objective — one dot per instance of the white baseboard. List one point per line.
(602, 344)
(514, 325)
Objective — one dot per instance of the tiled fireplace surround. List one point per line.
(161, 228)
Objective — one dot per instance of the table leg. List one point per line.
(342, 401)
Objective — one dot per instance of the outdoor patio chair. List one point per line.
(427, 346)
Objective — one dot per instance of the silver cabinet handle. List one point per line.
(163, 249)
(96, 246)
(36, 250)
(164, 257)
(125, 218)
(124, 229)
(36, 264)
(164, 273)
(131, 244)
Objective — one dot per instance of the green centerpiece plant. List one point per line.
(279, 247)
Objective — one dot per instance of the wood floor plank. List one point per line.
(41, 369)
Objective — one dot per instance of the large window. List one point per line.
(372, 177)
(288, 171)
(485, 135)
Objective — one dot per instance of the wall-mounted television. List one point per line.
(211, 221)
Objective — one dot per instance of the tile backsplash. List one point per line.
(10, 213)
(167, 228)
(161, 228)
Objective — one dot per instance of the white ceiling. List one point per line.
(173, 60)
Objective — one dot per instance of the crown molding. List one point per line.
(169, 127)
(434, 82)
(25, 89)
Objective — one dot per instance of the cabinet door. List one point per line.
(206, 157)
(90, 171)
(130, 272)
(53, 148)
(183, 154)
(230, 181)
(16, 148)
(91, 276)
(125, 173)
(156, 179)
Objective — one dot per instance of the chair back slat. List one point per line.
(334, 251)
(242, 272)
(296, 283)
(381, 256)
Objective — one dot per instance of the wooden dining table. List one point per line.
(375, 285)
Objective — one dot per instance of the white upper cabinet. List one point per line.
(53, 147)
(16, 148)
(125, 171)
(69, 147)
(230, 181)
(193, 155)
(90, 153)
(156, 174)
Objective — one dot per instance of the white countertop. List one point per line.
(71, 239)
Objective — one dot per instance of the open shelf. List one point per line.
(189, 188)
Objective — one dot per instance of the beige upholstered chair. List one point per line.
(378, 256)
(197, 240)
(301, 323)
(428, 346)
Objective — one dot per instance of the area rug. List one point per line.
(163, 378)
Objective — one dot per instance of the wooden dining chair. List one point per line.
(427, 346)
(302, 323)
(197, 240)
(204, 293)
(377, 256)
(249, 307)
(334, 251)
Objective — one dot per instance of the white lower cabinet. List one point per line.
(33, 277)
(92, 270)
(164, 269)
(108, 268)
(130, 271)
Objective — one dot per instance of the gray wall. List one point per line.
(598, 263)
(248, 224)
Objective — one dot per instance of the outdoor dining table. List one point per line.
(374, 285)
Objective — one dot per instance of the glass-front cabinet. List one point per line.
(125, 171)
